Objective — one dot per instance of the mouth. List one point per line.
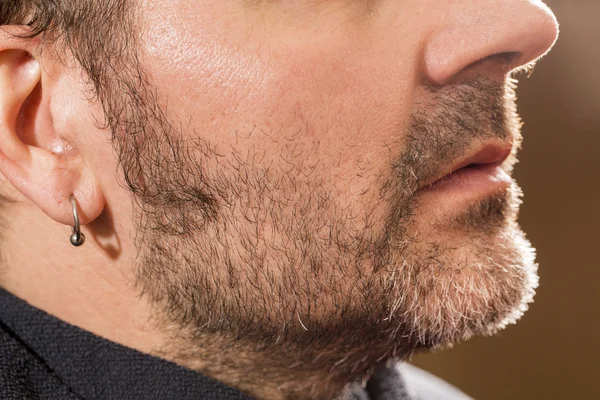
(480, 171)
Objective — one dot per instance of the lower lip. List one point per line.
(481, 179)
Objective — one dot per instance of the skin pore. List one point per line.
(257, 211)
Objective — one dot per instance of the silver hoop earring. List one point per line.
(77, 237)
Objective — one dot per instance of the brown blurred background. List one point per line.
(554, 351)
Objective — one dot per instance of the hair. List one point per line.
(98, 33)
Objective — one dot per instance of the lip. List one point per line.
(483, 179)
(484, 164)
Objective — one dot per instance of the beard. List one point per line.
(260, 270)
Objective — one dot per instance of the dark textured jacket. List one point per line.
(42, 357)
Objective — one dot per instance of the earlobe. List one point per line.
(34, 157)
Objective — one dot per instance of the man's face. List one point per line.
(284, 190)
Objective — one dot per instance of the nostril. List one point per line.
(495, 64)
(507, 59)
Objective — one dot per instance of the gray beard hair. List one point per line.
(312, 310)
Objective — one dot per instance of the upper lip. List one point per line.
(488, 153)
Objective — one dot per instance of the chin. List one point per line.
(465, 282)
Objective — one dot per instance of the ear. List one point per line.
(38, 155)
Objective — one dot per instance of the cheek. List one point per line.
(218, 87)
(327, 106)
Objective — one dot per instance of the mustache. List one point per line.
(453, 120)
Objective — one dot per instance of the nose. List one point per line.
(489, 37)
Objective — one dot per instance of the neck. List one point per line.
(261, 376)
(88, 287)
(275, 371)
